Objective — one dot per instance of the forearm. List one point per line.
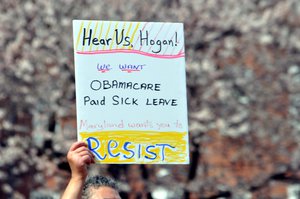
(74, 189)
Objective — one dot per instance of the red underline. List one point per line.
(130, 51)
(130, 70)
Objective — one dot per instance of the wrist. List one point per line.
(78, 178)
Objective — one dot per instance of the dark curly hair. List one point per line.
(96, 182)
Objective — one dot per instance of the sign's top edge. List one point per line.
(156, 22)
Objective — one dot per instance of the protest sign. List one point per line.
(131, 91)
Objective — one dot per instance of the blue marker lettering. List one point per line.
(152, 153)
(139, 151)
(126, 149)
(89, 141)
(112, 147)
(163, 150)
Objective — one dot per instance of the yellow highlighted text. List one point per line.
(142, 147)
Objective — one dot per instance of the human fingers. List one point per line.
(80, 149)
(86, 157)
(87, 160)
(77, 144)
(93, 157)
(93, 160)
(82, 153)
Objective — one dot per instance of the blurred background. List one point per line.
(243, 87)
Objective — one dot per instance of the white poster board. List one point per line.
(131, 91)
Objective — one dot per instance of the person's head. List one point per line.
(100, 187)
